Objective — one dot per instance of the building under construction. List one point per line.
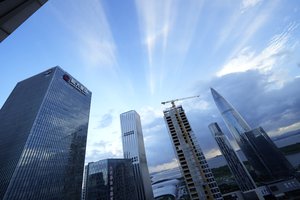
(198, 177)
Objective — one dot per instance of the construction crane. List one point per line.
(180, 99)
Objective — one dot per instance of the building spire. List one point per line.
(234, 121)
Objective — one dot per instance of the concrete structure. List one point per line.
(196, 172)
(43, 131)
(235, 165)
(109, 179)
(14, 12)
(134, 149)
(255, 144)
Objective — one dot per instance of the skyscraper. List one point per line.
(277, 164)
(134, 149)
(109, 179)
(198, 177)
(235, 165)
(255, 144)
(43, 131)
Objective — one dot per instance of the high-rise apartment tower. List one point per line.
(255, 144)
(236, 166)
(43, 131)
(198, 177)
(134, 149)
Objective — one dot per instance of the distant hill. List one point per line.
(286, 135)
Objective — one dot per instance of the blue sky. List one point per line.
(135, 54)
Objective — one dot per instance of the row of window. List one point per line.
(128, 133)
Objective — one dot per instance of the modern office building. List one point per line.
(236, 166)
(109, 179)
(14, 12)
(43, 131)
(277, 164)
(134, 149)
(255, 144)
(198, 177)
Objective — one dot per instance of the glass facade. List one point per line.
(43, 131)
(110, 179)
(255, 144)
(235, 165)
(233, 120)
(276, 165)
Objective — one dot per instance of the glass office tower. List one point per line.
(275, 162)
(255, 144)
(109, 179)
(43, 131)
(235, 165)
(233, 120)
(134, 149)
(198, 176)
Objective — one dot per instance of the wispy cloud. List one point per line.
(257, 22)
(155, 24)
(166, 27)
(234, 28)
(93, 38)
(265, 60)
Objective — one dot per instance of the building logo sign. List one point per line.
(75, 84)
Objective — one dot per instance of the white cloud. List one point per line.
(103, 149)
(165, 166)
(148, 114)
(240, 63)
(284, 129)
(249, 4)
(265, 60)
(212, 153)
(104, 141)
